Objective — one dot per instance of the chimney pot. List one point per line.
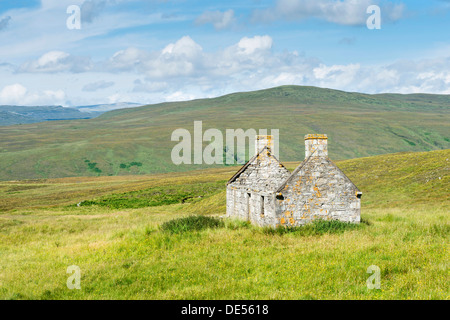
(317, 143)
(263, 140)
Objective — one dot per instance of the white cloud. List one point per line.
(176, 59)
(220, 20)
(344, 12)
(127, 59)
(151, 86)
(51, 95)
(342, 74)
(57, 61)
(179, 96)
(283, 78)
(250, 45)
(185, 47)
(12, 94)
(98, 85)
(426, 75)
(17, 94)
(248, 54)
(404, 76)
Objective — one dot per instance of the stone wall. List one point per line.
(250, 196)
(318, 190)
(256, 207)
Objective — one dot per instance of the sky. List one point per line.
(156, 51)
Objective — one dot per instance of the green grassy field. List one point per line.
(138, 140)
(115, 237)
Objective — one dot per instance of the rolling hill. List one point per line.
(138, 140)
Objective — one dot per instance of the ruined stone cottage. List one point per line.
(265, 193)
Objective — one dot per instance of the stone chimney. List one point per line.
(263, 140)
(317, 143)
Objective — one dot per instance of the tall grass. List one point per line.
(191, 223)
(317, 227)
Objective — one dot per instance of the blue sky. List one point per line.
(154, 51)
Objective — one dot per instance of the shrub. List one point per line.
(316, 227)
(92, 165)
(333, 226)
(191, 223)
(129, 165)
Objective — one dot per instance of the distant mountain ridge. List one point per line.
(10, 114)
(138, 140)
(108, 107)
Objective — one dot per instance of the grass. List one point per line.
(138, 140)
(197, 223)
(316, 228)
(184, 250)
(191, 223)
(157, 196)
